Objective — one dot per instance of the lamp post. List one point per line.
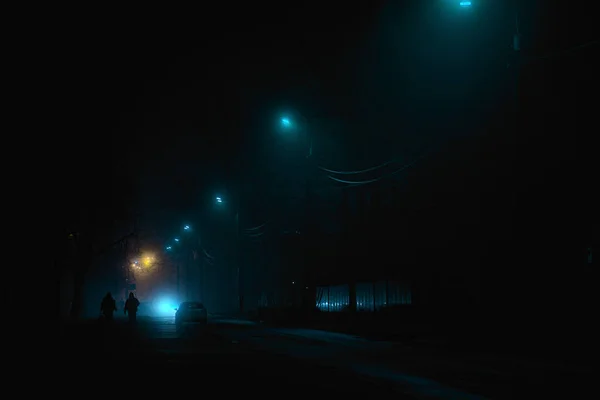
(301, 123)
(179, 260)
(238, 250)
(289, 124)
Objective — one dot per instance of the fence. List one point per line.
(370, 296)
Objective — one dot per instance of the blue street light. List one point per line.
(218, 199)
(169, 247)
(465, 4)
(186, 228)
(177, 239)
(291, 125)
(285, 122)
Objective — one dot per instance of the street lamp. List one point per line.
(219, 200)
(148, 261)
(465, 4)
(287, 124)
(184, 243)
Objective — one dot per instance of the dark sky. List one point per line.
(171, 96)
(175, 105)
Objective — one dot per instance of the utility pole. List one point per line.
(188, 286)
(516, 47)
(309, 230)
(515, 65)
(238, 255)
(178, 284)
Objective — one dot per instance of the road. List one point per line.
(236, 356)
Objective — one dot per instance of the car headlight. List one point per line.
(165, 307)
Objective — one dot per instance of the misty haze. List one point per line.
(313, 199)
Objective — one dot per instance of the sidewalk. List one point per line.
(466, 336)
(427, 373)
(480, 365)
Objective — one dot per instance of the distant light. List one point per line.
(169, 247)
(177, 239)
(286, 122)
(165, 307)
(219, 200)
(293, 283)
(465, 4)
(148, 261)
(186, 228)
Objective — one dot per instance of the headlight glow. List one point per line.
(165, 307)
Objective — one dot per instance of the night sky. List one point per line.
(178, 96)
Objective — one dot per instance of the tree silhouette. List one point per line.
(98, 213)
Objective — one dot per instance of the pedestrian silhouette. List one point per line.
(131, 307)
(108, 306)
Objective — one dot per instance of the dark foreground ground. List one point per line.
(201, 361)
(232, 357)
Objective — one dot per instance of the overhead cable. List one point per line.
(362, 171)
(206, 253)
(366, 182)
(254, 235)
(257, 227)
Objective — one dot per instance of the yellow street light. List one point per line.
(148, 260)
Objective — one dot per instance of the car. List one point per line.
(190, 312)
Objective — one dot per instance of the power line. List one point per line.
(366, 182)
(331, 171)
(256, 228)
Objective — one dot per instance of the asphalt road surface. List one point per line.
(232, 357)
